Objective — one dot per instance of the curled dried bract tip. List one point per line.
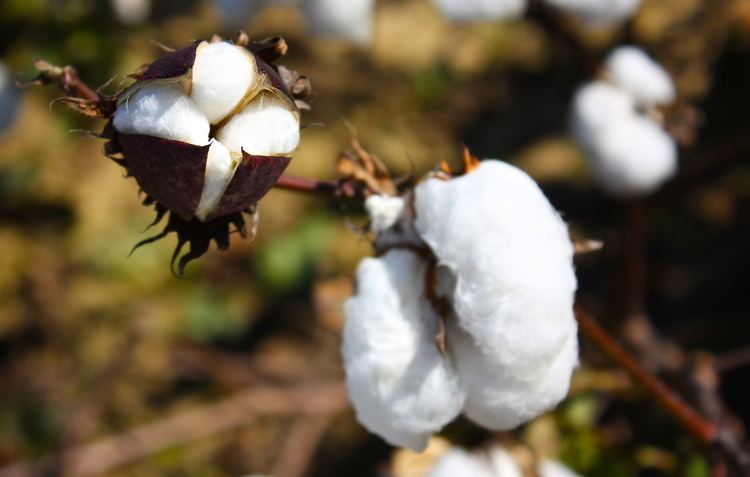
(470, 163)
(365, 172)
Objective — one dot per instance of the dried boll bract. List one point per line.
(494, 278)
(206, 131)
(618, 126)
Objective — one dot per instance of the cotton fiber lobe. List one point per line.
(219, 171)
(633, 71)
(401, 387)
(222, 74)
(162, 110)
(596, 107)
(263, 127)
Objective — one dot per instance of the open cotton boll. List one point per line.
(222, 74)
(131, 12)
(511, 257)
(348, 19)
(457, 462)
(384, 211)
(479, 10)
(400, 385)
(632, 70)
(220, 169)
(596, 106)
(596, 12)
(265, 127)
(162, 110)
(633, 157)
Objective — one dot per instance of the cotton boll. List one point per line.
(400, 385)
(510, 257)
(222, 74)
(551, 468)
(131, 12)
(459, 463)
(478, 10)
(633, 157)
(632, 70)
(9, 98)
(162, 110)
(502, 463)
(384, 211)
(265, 127)
(596, 106)
(596, 12)
(220, 169)
(348, 19)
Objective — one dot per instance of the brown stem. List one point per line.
(705, 431)
(634, 259)
(303, 184)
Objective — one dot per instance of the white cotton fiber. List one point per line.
(596, 106)
(480, 10)
(597, 12)
(220, 169)
(551, 468)
(131, 12)
(222, 74)
(400, 385)
(266, 126)
(632, 70)
(348, 19)
(511, 259)
(162, 110)
(633, 157)
(384, 211)
(459, 463)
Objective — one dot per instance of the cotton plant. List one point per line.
(467, 309)
(618, 124)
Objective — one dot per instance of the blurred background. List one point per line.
(110, 365)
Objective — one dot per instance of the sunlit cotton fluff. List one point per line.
(633, 157)
(220, 168)
(348, 19)
(400, 385)
(599, 12)
(633, 71)
(162, 110)
(510, 257)
(479, 10)
(596, 107)
(266, 126)
(384, 211)
(222, 75)
(492, 462)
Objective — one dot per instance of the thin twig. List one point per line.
(300, 446)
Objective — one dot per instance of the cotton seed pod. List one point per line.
(480, 10)
(599, 12)
(633, 71)
(400, 385)
(172, 125)
(508, 273)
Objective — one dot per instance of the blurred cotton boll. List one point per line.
(347, 19)
(480, 10)
(633, 71)
(401, 387)
(633, 157)
(598, 12)
(131, 12)
(9, 98)
(596, 106)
